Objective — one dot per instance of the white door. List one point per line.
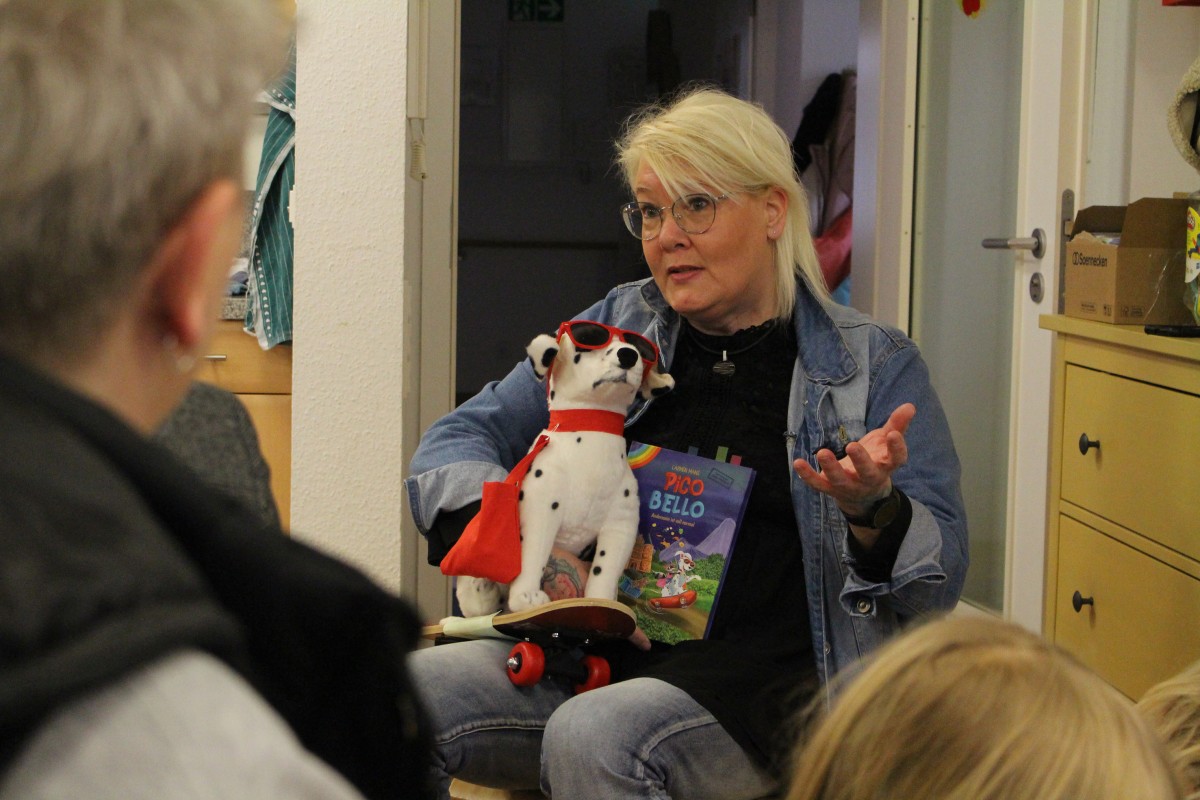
(988, 144)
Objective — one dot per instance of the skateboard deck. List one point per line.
(577, 617)
(550, 639)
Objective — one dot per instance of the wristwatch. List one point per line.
(880, 514)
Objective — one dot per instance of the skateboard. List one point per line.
(550, 639)
(682, 600)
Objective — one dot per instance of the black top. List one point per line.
(756, 667)
(113, 554)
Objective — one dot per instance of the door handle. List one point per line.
(1035, 243)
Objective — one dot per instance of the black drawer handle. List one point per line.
(1078, 601)
(1086, 444)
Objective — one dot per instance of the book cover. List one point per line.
(691, 509)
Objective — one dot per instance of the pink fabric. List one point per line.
(833, 250)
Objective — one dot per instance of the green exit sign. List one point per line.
(535, 10)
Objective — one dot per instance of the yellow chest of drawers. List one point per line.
(1123, 547)
(262, 380)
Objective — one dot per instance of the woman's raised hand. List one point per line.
(864, 475)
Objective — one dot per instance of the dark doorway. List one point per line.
(544, 88)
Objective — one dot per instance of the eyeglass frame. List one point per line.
(617, 333)
(636, 205)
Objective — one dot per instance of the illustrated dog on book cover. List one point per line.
(575, 489)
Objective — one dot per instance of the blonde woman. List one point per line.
(855, 523)
(980, 709)
(1173, 708)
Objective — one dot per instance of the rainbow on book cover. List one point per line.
(691, 509)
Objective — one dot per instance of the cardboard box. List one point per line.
(1138, 279)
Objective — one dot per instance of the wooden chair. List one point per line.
(461, 790)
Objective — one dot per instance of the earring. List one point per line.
(183, 362)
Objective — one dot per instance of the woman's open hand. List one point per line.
(865, 474)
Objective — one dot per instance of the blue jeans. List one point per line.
(634, 739)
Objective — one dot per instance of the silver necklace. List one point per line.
(724, 366)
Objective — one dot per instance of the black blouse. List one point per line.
(756, 668)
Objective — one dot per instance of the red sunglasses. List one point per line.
(589, 335)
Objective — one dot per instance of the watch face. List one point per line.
(887, 511)
(880, 515)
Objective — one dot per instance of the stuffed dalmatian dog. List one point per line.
(579, 489)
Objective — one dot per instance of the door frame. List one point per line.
(431, 253)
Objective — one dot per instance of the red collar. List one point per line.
(587, 419)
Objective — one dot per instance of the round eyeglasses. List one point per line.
(694, 213)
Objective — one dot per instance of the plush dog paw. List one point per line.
(519, 601)
(478, 596)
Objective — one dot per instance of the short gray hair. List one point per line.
(114, 115)
(704, 139)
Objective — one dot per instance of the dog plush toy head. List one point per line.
(609, 367)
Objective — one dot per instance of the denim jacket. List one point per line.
(851, 373)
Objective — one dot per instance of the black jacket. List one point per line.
(113, 554)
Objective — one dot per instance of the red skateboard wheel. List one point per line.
(599, 674)
(526, 663)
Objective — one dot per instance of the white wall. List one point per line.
(796, 44)
(1143, 50)
(348, 211)
(1166, 42)
(887, 57)
(817, 37)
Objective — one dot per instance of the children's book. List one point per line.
(691, 509)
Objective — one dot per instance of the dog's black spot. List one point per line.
(627, 493)
(521, 495)
(601, 552)
(537, 473)
(578, 439)
(548, 356)
(577, 357)
(522, 538)
(596, 570)
(554, 505)
(551, 394)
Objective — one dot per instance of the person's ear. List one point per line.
(191, 265)
(776, 209)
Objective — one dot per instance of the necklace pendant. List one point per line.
(724, 367)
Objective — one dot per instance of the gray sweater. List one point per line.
(190, 728)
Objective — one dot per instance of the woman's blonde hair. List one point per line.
(1173, 709)
(707, 140)
(974, 708)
